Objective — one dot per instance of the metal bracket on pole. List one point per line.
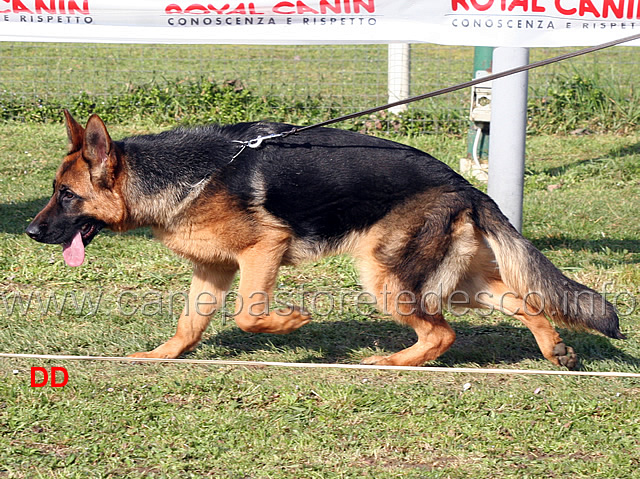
(475, 163)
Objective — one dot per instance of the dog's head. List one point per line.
(86, 192)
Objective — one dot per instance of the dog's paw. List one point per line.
(287, 320)
(155, 354)
(141, 354)
(565, 356)
(280, 321)
(144, 355)
(377, 360)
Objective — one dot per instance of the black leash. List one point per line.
(257, 142)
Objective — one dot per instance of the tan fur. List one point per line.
(509, 255)
(258, 273)
(208, 238)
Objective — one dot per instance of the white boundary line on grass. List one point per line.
(224, 362)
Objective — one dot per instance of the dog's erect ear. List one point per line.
(98, 150)
(75, 132)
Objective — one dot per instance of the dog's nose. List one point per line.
(34, 230)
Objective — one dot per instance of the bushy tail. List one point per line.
(531, 275)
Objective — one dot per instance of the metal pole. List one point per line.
(508, 133)
(398, 74)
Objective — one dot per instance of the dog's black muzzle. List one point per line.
(42, 232)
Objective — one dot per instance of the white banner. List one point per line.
(525, 23)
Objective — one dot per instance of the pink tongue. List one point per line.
(73, 253)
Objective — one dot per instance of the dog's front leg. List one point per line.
(208, 288)
(258, 272)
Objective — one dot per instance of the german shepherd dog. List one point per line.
(420, 233)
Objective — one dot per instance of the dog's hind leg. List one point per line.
(435, 335)
(417, 258)
(208, 288)
(549, 341)
(484, 288)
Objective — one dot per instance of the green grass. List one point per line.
(301, 83)
(144, 420)
(171, 421)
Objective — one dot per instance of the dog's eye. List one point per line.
(67, 195)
